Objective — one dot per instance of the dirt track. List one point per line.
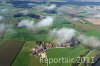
(87, 26)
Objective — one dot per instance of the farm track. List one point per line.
(86, 26)
(9, 51)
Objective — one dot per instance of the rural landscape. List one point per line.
(49, 33)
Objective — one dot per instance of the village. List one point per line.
(34, 30)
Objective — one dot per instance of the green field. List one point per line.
(25, 59)
(73, 52)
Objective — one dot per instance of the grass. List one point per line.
(88, 29)
(72, 52)
(24, 59)
(89, 57)
(21, 33)
(24, 56)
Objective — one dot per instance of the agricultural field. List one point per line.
(66, 53)
(87, 28)
(69, 37)
(94, 21)
(9, 51)
(25, 59)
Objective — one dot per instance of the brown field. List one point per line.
(80, 25)
(93, 21)
(88, 26)
(9, 51)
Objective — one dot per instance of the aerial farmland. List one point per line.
(49, 33)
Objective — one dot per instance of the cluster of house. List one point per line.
(42, 46)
